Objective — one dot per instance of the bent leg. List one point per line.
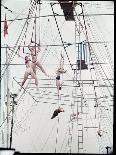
(33, 75)
(25, 78)
(40, 66)
(58, 85)
(33, 65)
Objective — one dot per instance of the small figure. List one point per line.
(99, 132)
(56, 112)
(73, 116)
(59, 71)
(29, 71)
(35, 62)
(58, 83)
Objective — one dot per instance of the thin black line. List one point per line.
(57, 15)
(93, 42)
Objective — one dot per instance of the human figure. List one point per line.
(56, 112)
(35, 62)
(99, 132)
(29, 71)
(60, 71)
(73, 116)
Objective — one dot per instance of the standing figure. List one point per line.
(29, 71)
(35, 62)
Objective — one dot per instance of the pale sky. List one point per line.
(33, 130)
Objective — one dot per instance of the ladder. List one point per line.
(80, 132)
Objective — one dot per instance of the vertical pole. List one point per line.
(12, 121)
(39, 22)
(35, 27)
(8, 95)
(84, 51)
(81, 51)
(76, 49)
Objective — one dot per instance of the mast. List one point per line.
(8, 97)
(35, 25)
(39, 22)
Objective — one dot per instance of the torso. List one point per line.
(58, 78)
(58, 75)
(28, 66)
(28, 63)
(34, 56)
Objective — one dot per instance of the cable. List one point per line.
(91, 47)
(25, 90)
(98, 35)
(60, 36)
(48, 137)
(14, 19)
(17, 42)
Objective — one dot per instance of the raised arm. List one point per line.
(29, 46)
(38, 47)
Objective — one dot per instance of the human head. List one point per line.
(32, 48)
(26, 57)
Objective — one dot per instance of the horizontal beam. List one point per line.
(14, 64)
(69, 44)
(66, 80)
(18, 19)
(91, 127)
(104, 86)
(24, 64)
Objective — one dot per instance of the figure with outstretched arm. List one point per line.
(29, 71)
(35, 63)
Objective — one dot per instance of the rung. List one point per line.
(91, 127)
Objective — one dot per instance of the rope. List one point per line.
(89, 43)
(10, 112)
(6, 8)
(107, 52)
(48, 137)
(91, 47)
(63, 141)
(14, 19)
(57, 135)
(25, 90)
(16, 44)
(53, 41)
(61, 36)
(8, 25)
(97, 102)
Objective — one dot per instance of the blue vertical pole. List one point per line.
(81, 51)
(84, 50)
